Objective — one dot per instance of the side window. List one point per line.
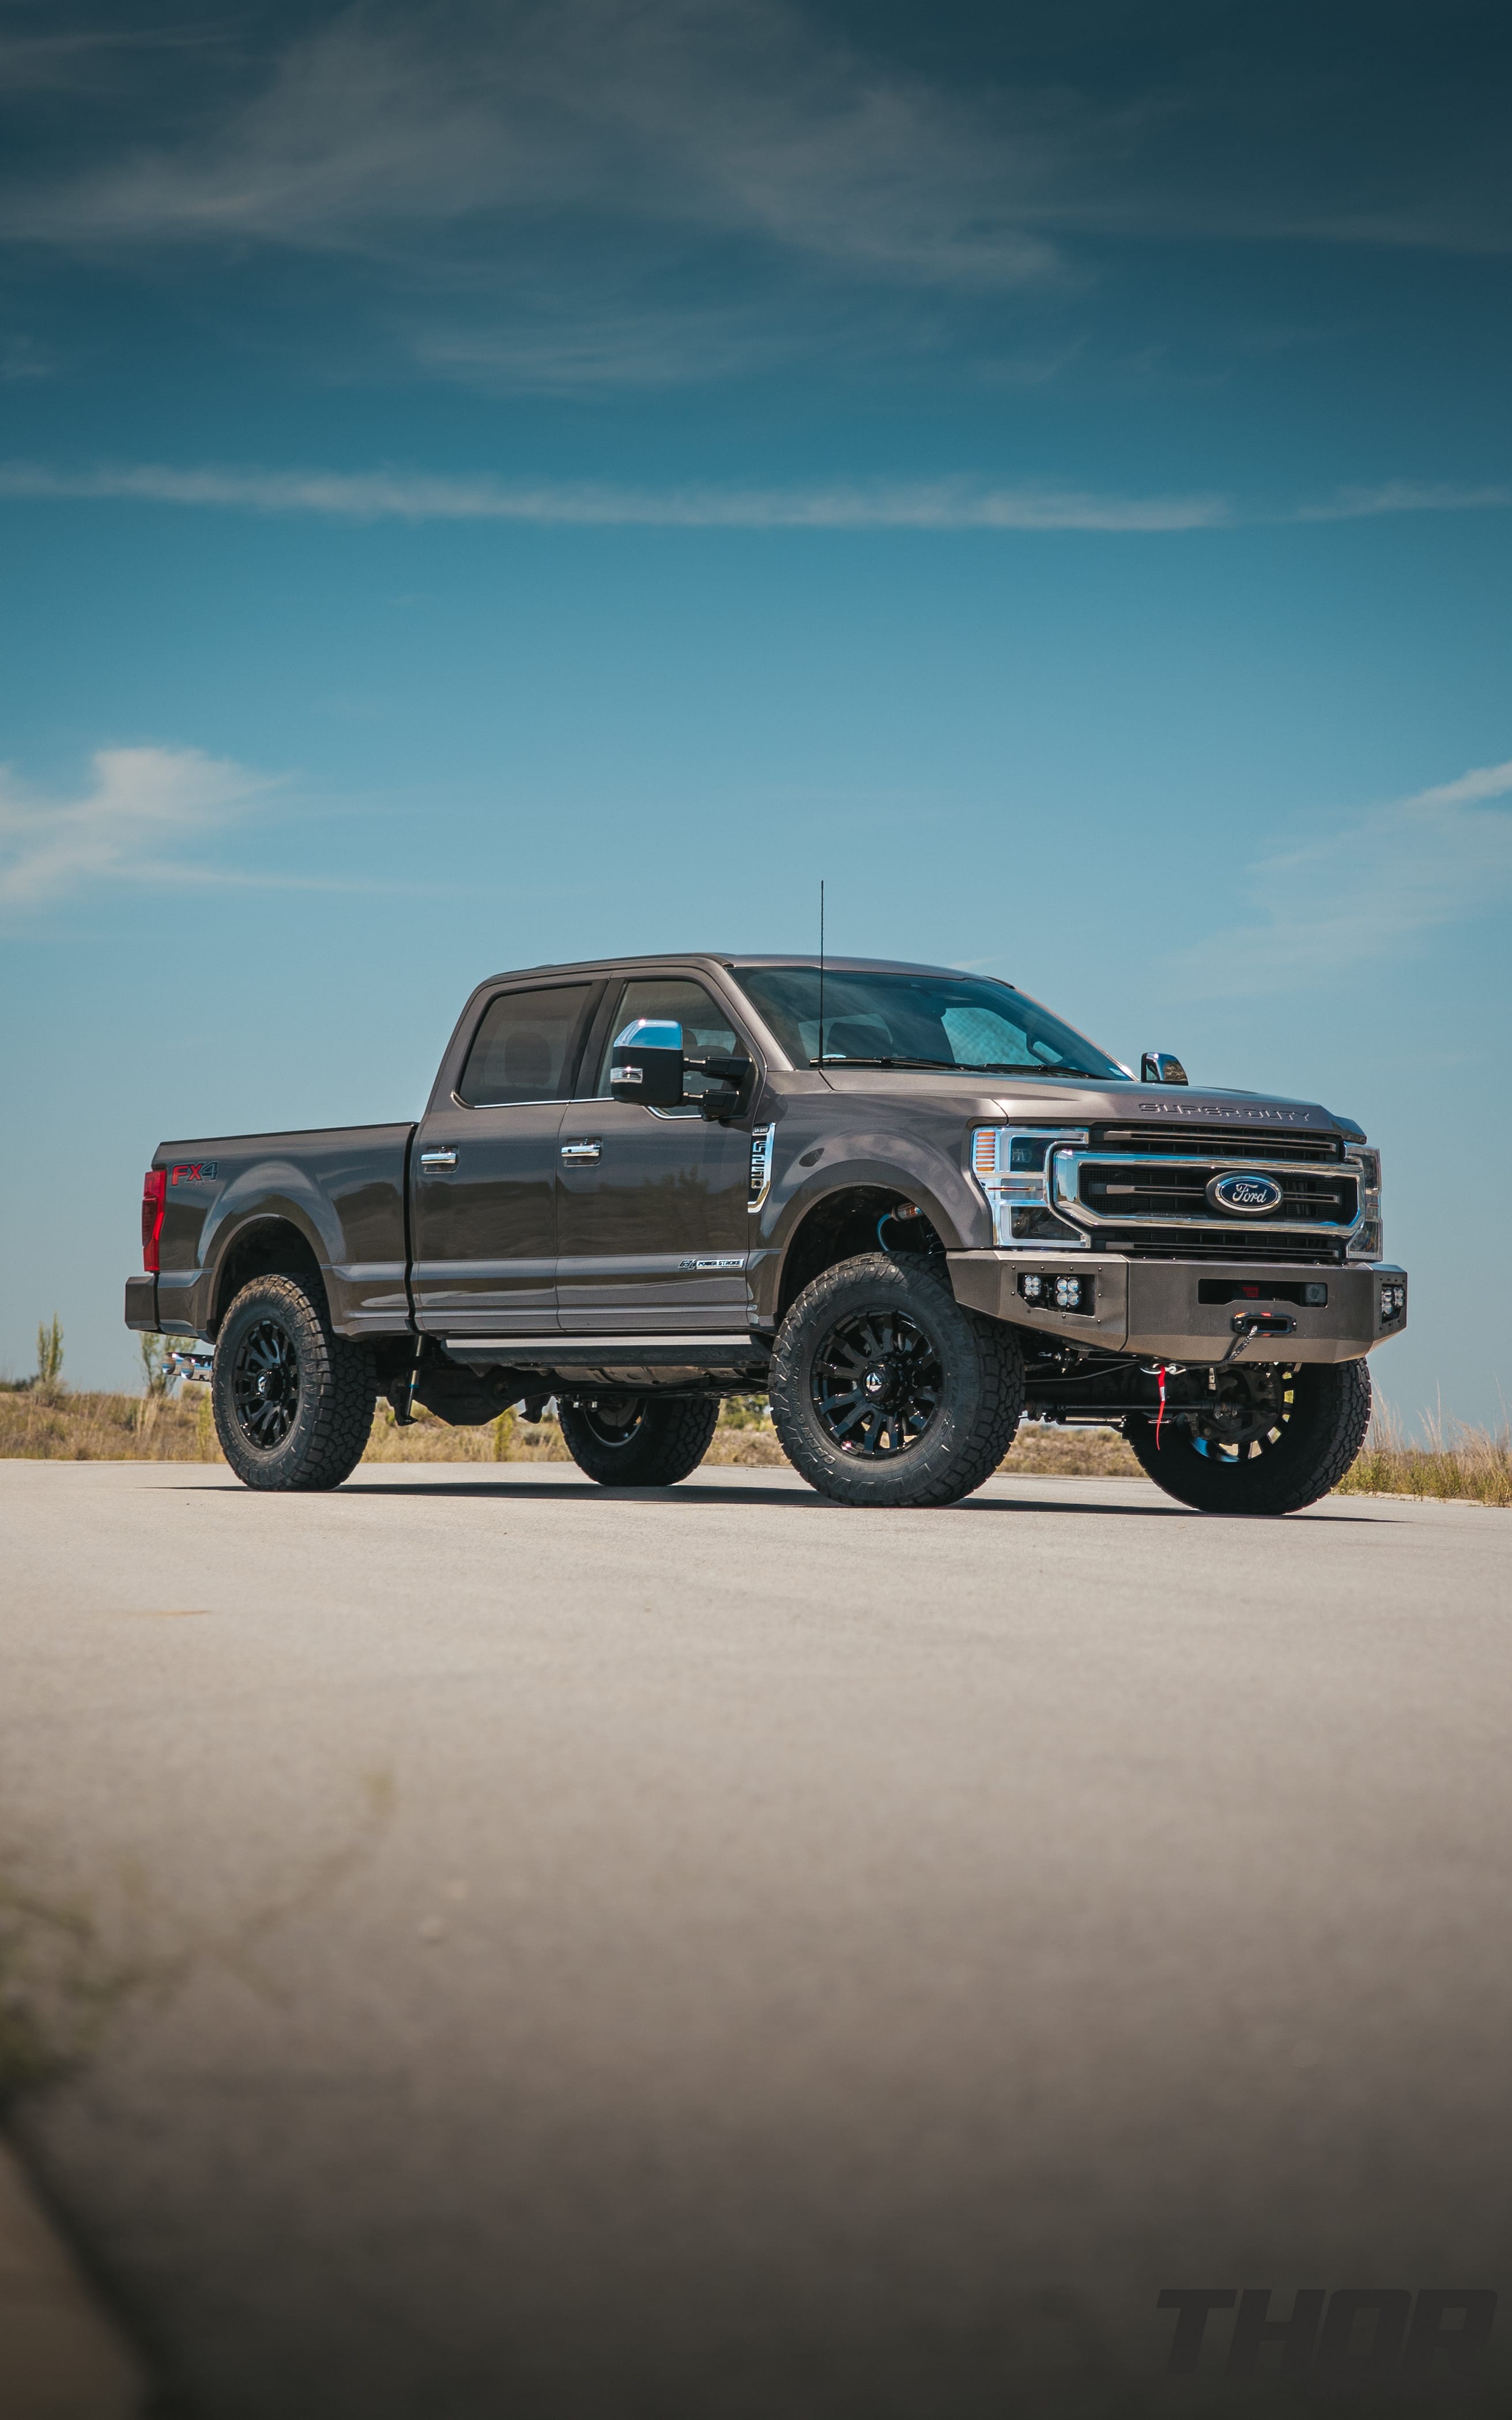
(705, 1026)
(523, 1049)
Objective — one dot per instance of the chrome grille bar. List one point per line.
(1163, 1182)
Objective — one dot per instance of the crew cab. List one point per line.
(908, 1203)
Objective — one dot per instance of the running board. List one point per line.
(609, 1352)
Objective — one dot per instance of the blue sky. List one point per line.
(482, 484)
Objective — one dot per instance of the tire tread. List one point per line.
(673, 1441)
(996, 1411)
(338, 1372)
(1297, 1479)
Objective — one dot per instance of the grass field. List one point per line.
(50, 1424)
(1468, 1464)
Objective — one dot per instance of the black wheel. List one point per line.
(635, 1441)
(1277, 1439)
(887, 1390)
(293, 1402)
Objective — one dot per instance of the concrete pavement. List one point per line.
(717, 1954)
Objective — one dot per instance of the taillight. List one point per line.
(154, 1191)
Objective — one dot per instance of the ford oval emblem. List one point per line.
(1250, 1197)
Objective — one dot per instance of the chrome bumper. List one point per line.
(1156, 1309)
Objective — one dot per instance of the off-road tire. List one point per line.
(1318, 1443)
(979, 1395)
(664, 1442)
(332, 1401)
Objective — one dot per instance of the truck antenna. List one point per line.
(821, 1059)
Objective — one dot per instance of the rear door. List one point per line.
(483, 1169)
(652, 1224)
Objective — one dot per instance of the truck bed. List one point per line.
(342, 1187)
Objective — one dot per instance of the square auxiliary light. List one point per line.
(1048, 1292)
(1393, 1303)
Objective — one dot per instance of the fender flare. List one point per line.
(276, 1194)
(887, 1164)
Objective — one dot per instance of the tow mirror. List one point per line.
(1160, 1067)
(728, 1076)
(646, 1064)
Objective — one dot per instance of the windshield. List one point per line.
(925, 1020)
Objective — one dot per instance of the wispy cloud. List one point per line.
(742, 117)
(579, 342)
(1407, 496)
(1371, 886)
(957, 503)
(762, 118)
(145, 808)
(564, 195)
(20, 359)
(415, 496)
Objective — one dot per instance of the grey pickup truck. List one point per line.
(908, 1203)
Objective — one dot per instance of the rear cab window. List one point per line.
(526, 1046)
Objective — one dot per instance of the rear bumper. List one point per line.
(142, 1304)
(1166, 1310)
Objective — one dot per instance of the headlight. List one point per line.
(1010, 1163)
(1367, 1242)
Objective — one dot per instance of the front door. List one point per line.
(650, 1220)
(483, 1171)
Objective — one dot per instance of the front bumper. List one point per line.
(1169, 1310)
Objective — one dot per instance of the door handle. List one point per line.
(445, 1157)
(580, 1153)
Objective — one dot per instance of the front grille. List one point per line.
(1115, 1188)
(1154, 1243)
(1222, 1143)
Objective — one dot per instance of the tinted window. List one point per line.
(523, 1049)
(705, 1026)
(942, 1019)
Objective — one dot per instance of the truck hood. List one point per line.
(1033, 1102)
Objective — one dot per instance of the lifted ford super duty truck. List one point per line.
(908, 1203)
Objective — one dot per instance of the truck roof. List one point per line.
(735, 962)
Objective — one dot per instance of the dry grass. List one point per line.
(1069, 1453)
(49, 1424)
(738, 1443)
(1456, 1462)
(507, 1439)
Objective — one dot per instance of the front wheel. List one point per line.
(293, 1402)
(885, 1390)
(1273, 1442)
(634, 1441)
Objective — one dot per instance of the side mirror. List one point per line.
(646, 1064)
(1160, 1067)
(732, 1075)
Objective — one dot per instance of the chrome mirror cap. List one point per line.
(1160, 1067)
(646, 1063)
(650, 1033)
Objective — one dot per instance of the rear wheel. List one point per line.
(635, 1441)
(1278, 1438)
(885, 1390)
(293, 1402)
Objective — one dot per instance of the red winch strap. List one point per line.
(1160, 1414)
